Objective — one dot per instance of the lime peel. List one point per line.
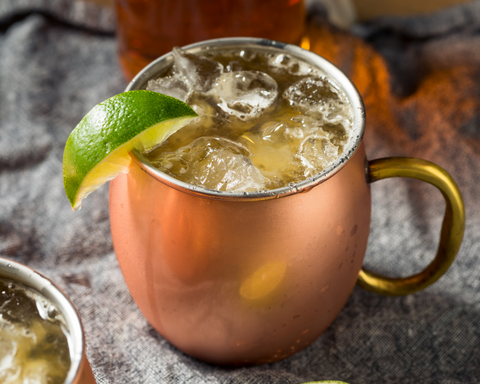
(97, 150)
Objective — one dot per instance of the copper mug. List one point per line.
(251, 278)
(79, 371)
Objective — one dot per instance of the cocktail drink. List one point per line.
(147, 29)
(41, 340)
(243, 234)
(247, 244)
(33, 343)
(266, 120)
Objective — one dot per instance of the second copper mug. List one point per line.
(80, 371)
(147, 29)
(234, 278)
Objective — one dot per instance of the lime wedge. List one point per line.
(97, 150)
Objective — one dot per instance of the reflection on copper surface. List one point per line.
(264, 281)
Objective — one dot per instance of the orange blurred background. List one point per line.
(368, 9)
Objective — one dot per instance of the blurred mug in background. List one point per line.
(147, 29)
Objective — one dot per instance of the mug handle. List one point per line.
(452, 229)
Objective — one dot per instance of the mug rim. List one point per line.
(155, 68)
(30, 278)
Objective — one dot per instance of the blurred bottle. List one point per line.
(147, 29)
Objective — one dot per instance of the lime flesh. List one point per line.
(97, 150)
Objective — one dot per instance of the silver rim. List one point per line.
(158, 66)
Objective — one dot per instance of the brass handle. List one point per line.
(452, 229)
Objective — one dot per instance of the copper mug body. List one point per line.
(234, 278)
(80, 371)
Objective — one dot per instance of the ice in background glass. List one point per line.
(33, 339)
(41, 336)
(147, 29)
(265, 120)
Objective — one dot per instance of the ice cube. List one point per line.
(284, 62)
(336, 112)
(247, 55)
(199, 73)
(206, 105)
(316, 153)
(271, 149)
(310, 92)
(318, 96)
(233, 65)
(213, 163)
(244, 56)
(37, 371)
(273, 131)
(245, 94)
(173, 86)
(8, 348)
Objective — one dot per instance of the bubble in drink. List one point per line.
(265, 121)
(33, 346)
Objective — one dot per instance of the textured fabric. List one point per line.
(419, 78)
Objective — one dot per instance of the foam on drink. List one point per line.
(34, 347)
(265, 120)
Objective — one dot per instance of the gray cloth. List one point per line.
(419, 78)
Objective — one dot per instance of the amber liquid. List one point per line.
(147, 29)
(256, 137)
(33, 345)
